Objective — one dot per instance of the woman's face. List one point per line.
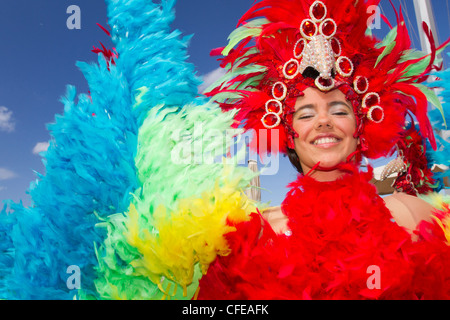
(325, 124)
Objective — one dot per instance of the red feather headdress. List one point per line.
(282, 47)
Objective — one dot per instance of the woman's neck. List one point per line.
(322, 174)
(326, 176)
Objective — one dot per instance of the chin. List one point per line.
(330, 162)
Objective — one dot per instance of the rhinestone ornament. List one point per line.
(336, 46)
(291, 69)
(274, 106)
(371, 99)
(324, 84)
(344, 66)
(308, 29)
(299, 48)
(318, 11)
(361, 84)
(328, 28)
(271, 120)
(376, 114)
(394, 166)
(279, 90)
(319, 55)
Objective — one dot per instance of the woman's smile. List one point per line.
(326, 141)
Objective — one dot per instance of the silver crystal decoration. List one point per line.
(319, 55)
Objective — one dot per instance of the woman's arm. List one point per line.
(408, 211)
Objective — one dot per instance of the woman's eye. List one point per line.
(305, 117)
(341, 113)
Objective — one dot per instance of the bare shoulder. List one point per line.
(408, 211)
(276, 218)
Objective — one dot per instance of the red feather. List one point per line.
(420, 111)
(104, 29)
(329, 254)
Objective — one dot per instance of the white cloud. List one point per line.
(40, 147)
(7, 123)
(210, 78)
(6, 174)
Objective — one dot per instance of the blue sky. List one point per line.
(37, 60)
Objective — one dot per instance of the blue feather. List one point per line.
(90, 172)
(151, 55)
(90, 163)
(442, 154)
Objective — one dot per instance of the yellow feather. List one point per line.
(445, 226)
(192, 234)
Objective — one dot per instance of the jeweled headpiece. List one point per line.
(281, 47)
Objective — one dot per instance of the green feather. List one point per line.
(388, 49)
(420, 66)
(388, 44)
(251, 29)
(390, 37)
(431, 97)
(231, 75)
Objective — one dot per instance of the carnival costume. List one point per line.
(143, 215)
(340, 231)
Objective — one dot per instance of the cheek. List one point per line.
(302, 130)
(347, 126)
(301, 144)
(349, 129)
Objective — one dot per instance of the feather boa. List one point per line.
(342, 234)
(109, 163)
(175, 224)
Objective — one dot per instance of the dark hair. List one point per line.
(295, 161)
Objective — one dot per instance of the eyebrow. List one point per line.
(306, 106)
(330, 104)
(334, 103)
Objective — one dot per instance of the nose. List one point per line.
(323, 121)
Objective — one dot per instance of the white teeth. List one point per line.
(325, 140)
